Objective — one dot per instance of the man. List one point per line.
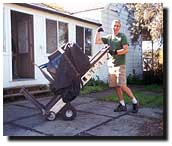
(118, 48)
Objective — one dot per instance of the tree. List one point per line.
(145, 20)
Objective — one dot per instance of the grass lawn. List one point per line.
(145, 99)
(91, 89)
(152, 96)
(154, 87)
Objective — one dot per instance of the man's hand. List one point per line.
(98, 39)
(113, 52)
(100, 29)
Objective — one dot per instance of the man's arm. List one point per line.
(122, 51)
(98, 39)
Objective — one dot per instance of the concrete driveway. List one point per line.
(94, 118)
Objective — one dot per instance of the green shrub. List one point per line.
(94, 86)
(94, 82)
(134, 79)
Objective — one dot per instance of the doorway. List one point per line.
(22, 45)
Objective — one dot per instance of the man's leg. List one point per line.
(121, 106)
(130, 94)
(119, 93)
(127, 91)
(122, 81)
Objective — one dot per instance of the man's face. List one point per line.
(116, 28)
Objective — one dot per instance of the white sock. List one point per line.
(134, 100)
(122, 102)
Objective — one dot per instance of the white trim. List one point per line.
(39, 32)
(10, 44)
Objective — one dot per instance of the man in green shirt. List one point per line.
(118, 48)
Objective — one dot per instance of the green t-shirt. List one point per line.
(116, 44)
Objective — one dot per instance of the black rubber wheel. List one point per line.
(51, 116)
(68, 112)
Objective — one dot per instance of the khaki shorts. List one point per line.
(118, 76)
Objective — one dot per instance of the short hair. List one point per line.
(116, 21)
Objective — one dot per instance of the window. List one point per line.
(88, 41)
(51, 35)
(63, 33)
(80, 36)
(84, 39)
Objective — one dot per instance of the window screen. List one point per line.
(63, 33)
(88, 41)
(51, 35)
(80, 36)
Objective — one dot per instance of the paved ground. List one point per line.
(94, 118)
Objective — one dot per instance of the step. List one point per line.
(13, 94)
(32, 92)
(19, 96)
(13, 90)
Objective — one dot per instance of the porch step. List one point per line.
(13, 94)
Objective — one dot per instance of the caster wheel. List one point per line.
(68, 112)
(51, 116)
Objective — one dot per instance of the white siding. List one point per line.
(40, 55)
(134, 56)
(108, 14)
(7, 60)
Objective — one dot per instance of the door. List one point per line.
(24, 67)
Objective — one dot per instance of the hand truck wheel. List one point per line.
(50, 116)
(68, 112)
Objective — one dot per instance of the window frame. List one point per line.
(57, 32)
(47, 52)
(84, 36)
(91, 39)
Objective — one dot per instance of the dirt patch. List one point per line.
(152, 128)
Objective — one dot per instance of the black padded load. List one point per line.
(67, 70)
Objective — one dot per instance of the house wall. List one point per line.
(40, 55)
(102, 73)
(106, 16)
(134, 56)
